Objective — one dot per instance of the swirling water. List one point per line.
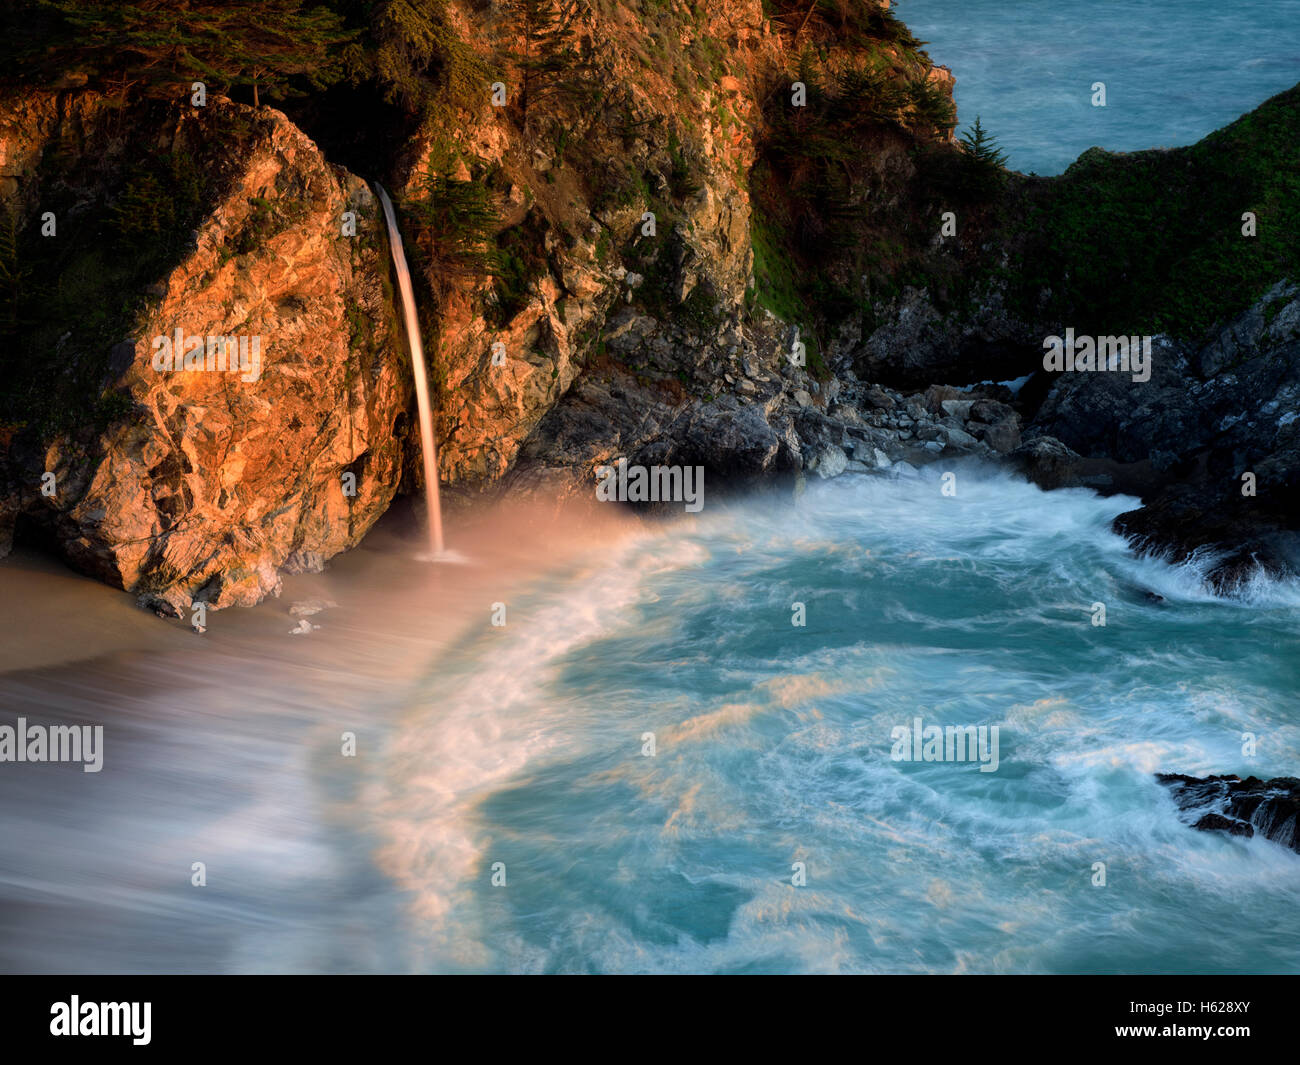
(1174, 70)
(521, 752)
(773, 746)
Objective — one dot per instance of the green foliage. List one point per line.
(931, 105)
(257, 228)
(682, 179)
(1151, 241)
(520, 259)
(547, 63)
(161, 194)
(660, 290)
(819, 153)
(857, 23)
(67, 299)
(872, 93)
(618, 184)
(274, 45)
(774, 285)
(776, 289)
(834, 234)
(1274, 308)
(15, 278)
(706, 56)
(411, 50)
(455, 221)
(982, 146)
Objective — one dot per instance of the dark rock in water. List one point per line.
(1240, 807)
(1219, 823)
(1048, 463)
(1210, 443)
(1236, 540)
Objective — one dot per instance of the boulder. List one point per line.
(1047, 462)
(831, 462)
(205, 482)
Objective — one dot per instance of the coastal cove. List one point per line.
(618, 487)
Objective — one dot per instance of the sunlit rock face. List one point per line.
(628, 313)
(209, 480)
(638, 324)
(580, 215)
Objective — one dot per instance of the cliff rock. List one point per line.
(201, 484)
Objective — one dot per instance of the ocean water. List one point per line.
(521, 754)
(1174, 70)
(773, 745)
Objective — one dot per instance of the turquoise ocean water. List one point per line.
(507, 812)
(773, 746)
(1174, 70)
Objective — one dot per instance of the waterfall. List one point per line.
(427, 443)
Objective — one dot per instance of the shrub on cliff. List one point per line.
(984, 164)
(123, 219)
(277, 46)
(982, 146)
(853, 22)
(455, 221)
(1168, 241)
(410, 50)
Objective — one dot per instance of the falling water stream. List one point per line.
(427, 442)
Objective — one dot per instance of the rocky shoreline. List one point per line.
(767, 418)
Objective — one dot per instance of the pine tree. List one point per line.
(455, 221)
(14, 278)
(547, 63)
(981, 146)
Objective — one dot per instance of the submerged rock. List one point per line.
(310, 607)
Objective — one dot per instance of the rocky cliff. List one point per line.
(605, 302)
(738, 235)
(638, 302)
